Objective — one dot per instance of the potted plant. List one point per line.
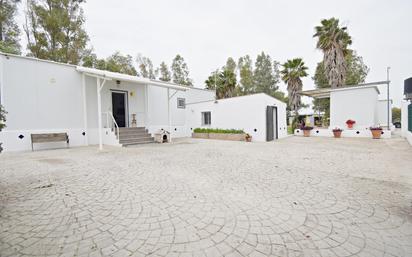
(337, 132)
(376, 132)
(248, 138)
(306, 130)
(350, 123)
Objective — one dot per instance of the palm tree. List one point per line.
(293, 71)
(333, 40)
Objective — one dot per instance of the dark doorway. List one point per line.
(119, 101)
(271, 123)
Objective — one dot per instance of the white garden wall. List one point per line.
(359, 104)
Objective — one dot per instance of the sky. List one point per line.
(206, 33)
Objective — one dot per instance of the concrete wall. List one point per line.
(246, 112)
(358, 104)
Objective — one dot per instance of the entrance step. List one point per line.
(134, 136)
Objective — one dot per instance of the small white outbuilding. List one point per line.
(260, 115)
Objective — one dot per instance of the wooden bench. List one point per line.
(48, 138)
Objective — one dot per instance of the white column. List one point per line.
(99, 114)
(85, 109)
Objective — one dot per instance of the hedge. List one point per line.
(219, 131)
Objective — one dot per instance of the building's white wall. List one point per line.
(382, 112)
(40, 97)
(196, 95)
(247, 113)
(358, 104)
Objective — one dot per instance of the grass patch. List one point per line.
(290, 130)
(219, 131)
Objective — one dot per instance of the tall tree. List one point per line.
(54, 30)
(224, 82)
(333, 40)
(245, 66)
(230, 65)
(115, 63)
(146, 67)
(265, 75)
(164, 72)
(180, 72)
(356, 73)
(292, 72)
(9, 30)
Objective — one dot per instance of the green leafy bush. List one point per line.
(220, 131)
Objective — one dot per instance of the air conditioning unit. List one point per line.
(407, 91)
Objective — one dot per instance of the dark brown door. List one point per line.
(119, 108)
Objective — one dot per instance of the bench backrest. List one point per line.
(49, 137)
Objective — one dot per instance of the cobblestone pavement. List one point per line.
(296, 197)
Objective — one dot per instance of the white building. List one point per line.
(261, 116)
(88, 104)
(361, 103)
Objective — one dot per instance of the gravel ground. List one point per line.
(295, 197)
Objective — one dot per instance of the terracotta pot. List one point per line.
(350, 125)
(306, 132)
(376, 133)
(337, 134)
(248, 139)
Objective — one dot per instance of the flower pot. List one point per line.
(350, 125)
(376, 133)
(306, 133)
(337, 134)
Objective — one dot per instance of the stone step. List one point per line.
(138, 143)
(133, 135)
(136, 140)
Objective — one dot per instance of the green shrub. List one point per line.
(220, 131)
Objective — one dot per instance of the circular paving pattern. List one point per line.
(204, 198)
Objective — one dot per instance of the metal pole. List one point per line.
(387, 79)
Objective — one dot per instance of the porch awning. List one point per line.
(128, 78)
(325, 92)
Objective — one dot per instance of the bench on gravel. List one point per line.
(48, 138)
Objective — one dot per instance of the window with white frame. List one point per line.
(181, 103)
(206, 118)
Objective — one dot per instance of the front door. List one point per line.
(119, 105)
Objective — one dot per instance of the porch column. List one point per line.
(99, 110)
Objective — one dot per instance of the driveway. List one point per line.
(295, 197)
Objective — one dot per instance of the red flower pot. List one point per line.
(350, 125)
